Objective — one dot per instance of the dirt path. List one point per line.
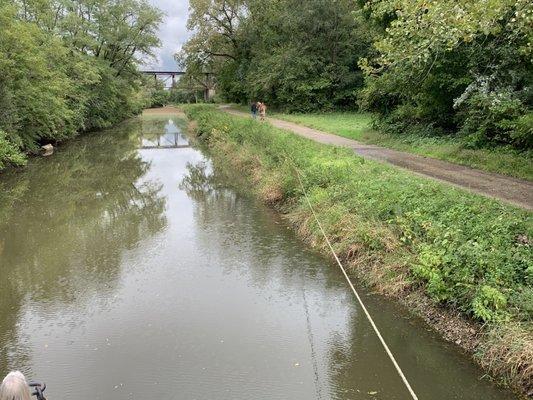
(511, 190)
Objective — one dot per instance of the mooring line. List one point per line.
(310, 337)
(387, 350)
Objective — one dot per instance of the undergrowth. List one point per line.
(466, 252)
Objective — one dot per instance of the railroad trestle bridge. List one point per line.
(207, 84)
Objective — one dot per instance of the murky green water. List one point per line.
(132, 273)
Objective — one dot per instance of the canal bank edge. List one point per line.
(376, 254)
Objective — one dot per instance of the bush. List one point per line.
(10, 154)
(160, 98)
(468, 75)
(523, 131)
(407, 119)
(496, 117)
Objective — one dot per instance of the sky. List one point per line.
(172, 32)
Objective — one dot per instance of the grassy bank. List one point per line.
(419, 240)
(357, 126)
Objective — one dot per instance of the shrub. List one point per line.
(160, 98)
(10, 153)
(496, 117)
(408, 119)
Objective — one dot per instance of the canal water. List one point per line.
(132, 268)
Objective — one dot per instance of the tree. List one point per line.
(70, 66)
(450, 66)
(274, 50)
(215, 43)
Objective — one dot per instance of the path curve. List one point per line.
(511, 190)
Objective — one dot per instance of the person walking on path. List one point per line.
(262, 111)
(253, 108)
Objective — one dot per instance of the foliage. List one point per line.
(184, 90)
(495, 117)
(191, 88)
(160, 98)
(158, 95)
(9, 152)
(275, 50)
(69, 67)
(179, 96)
(446, 67)
(429, 68)
(469, 252)
(34, 108)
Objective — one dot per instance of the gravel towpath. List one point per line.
(511, 190)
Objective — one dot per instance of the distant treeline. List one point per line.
(68, 66)
(426, 67)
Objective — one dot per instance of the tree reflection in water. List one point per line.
(201, 181)
(66, 222)
(248, 240)
(220, 205)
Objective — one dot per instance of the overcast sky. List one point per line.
(172, 32)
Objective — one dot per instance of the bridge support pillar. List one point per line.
(209, 94)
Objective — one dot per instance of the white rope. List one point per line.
(389, 353)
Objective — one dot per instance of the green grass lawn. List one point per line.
(357, 126)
